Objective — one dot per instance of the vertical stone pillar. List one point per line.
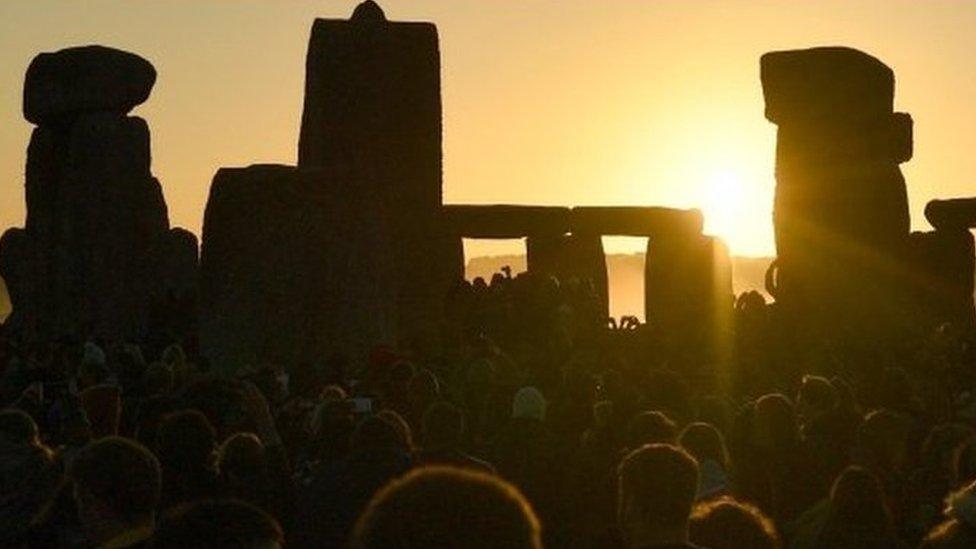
(373, 106)
(688, 293)
(841, 208)
(97, 256)
(569, 257)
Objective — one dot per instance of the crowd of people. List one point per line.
(535, 425)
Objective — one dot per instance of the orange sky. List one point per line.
(545, 102)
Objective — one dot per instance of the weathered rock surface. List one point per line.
(688, 294)
(373, 107)
(572, 259)
(805, 86)
(952, 214)
(505, 221)
(97, 257)
(295, 266)
(940, 281)
(635, 221)
(841, 207)
(63, 84)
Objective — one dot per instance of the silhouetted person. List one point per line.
(443, 432)
(651, 428)
(28, 476)
(186, 447)
(116, 488)
(249, 472)
(725, 523)
(226, 523)
(705, 443)
(657, 486)
(448, 507)
(858, 515)
(339, 492)
(524, 452)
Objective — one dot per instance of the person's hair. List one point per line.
(375, 435)
(120, 473)
(881, 439)
(159, 378)
(217, 523)
(400, 425)
(242, 455)
(186, 441)
(775, 420)
(447, 507)
(703, 441)
(651, 428)
(858, 515)
(725, 523)
(18, 427)
(661, 481)
(443, 425)
(817, 392)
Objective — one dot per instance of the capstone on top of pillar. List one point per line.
(825, 84)
(63, 84)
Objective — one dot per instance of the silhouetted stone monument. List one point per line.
(373, 105)
(940, 279)
(294, 267)
(688, 294)
(841, 208)
(96, 256)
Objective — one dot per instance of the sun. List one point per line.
(722, 203)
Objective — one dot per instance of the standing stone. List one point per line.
(63, 84)
(688, 294)
(841, 208)
(372, 104)
(572, 259)
(294, 268)
(952, 214)
(940, 283)
(94, 258)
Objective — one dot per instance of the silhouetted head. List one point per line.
(775, 427)
(222, 523)
(728, 524)
(443, 425)
(400, 425)
(859, 515)
(704, 442)
(529, 404)
(882, 441)
(17, 427)
(650, 428)
(242, 457)
(186, 442)
(116, 486)
(657, 487)
(158, 379)
(816, 396)
(375, 436)
(447, 507)
(424, 388)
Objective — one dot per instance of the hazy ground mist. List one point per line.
(626, 276)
